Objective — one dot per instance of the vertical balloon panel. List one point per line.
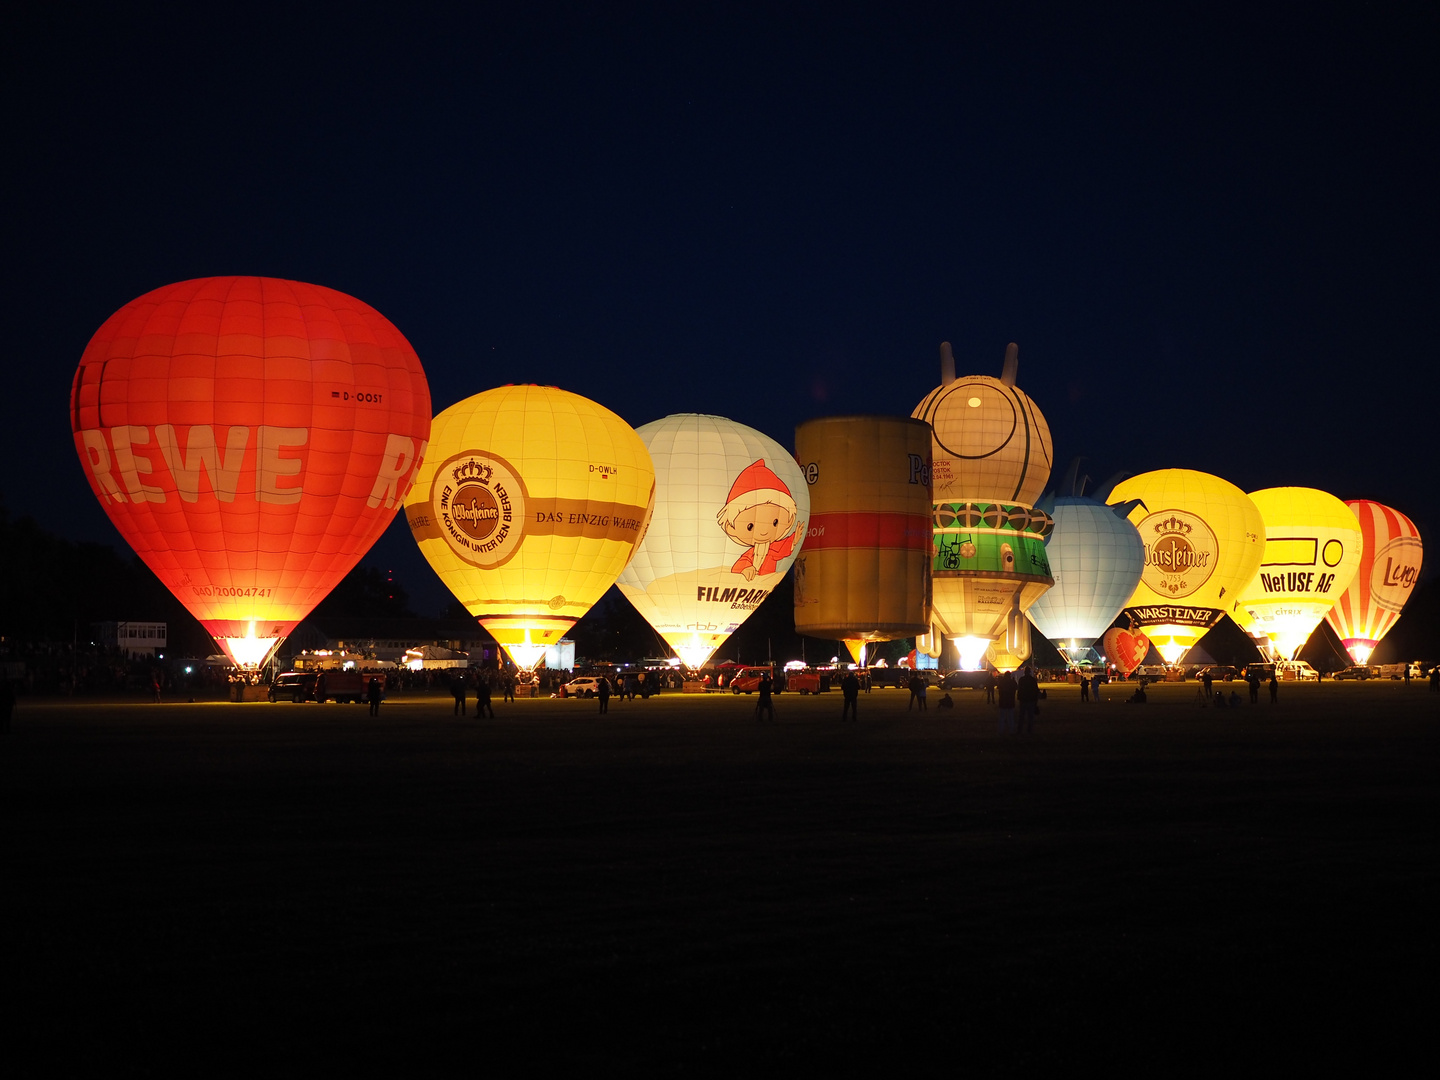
(1011, 651)
(865, 572)
(731, 508)
(250, 438)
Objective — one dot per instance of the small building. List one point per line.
(430, 657)
(369, 641)
(134, 639)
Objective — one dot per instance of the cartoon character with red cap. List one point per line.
(760, 514)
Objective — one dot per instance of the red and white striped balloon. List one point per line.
(1386, 579)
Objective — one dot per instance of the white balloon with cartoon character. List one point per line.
(730, 511)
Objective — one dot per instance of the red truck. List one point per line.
(746, 680)
(319, 686)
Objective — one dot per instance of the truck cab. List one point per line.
(1296, 670)
(747, 679)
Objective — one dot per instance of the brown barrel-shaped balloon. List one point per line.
(864, 571)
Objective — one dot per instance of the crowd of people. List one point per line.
(1015, 695)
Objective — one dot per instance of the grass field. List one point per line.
(221, 887)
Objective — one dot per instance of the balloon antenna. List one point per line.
(1012, 364)
(947, 364)
(1102, 493)
(1072, 478)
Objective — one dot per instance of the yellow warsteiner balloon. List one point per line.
(1312, 550)
(530, 504)
(1204, 540)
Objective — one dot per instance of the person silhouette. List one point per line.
(850, 690)
(764, 704)
(1005, 700)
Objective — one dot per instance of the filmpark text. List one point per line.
(736, 597)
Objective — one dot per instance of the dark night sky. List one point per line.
(1214, 238)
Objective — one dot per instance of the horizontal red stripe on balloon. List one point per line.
(868, 530)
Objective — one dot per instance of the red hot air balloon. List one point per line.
(251, 438)
(1126, 649)
(1389, 568)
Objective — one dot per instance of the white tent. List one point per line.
(425, 657)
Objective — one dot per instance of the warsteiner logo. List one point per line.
(473, 470)
(1180, 552)
(479, 501)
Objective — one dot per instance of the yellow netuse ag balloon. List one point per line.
(1204, 539)
(530, 504)
(1312, 550)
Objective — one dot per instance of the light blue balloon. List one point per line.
(1096, 557)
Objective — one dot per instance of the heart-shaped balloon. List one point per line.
(1126, 649)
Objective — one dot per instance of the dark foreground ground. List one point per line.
(221, 888)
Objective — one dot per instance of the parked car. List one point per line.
(747, 680)
(1296, 670)
(881, 677)
(1218, 672)
(965, 680)
(1360, 672)
(929, 676)
(584, 686)
(294, 686)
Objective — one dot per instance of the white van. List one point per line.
(1293, 670)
